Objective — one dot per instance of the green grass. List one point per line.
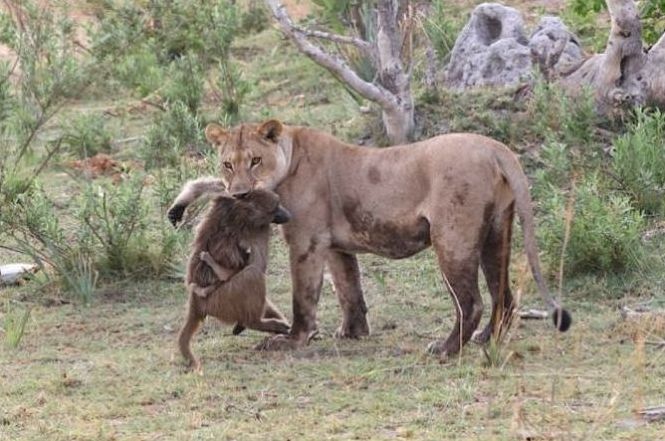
(111, 371)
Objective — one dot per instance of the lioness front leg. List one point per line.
(307, 264)
(346, 277)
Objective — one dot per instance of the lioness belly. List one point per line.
(364, 232)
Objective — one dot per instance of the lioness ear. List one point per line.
(271, 130)
(215, 133)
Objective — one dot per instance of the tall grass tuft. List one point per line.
(14, 324)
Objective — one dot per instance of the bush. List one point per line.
(441, 29)
(86, 135)
(573, 120)
(638, 159)
(174, 134)
(139, 70)
(604, 234)
(185, 84)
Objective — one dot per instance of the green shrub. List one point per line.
(185, 83)
(117, 226)
(172, 135)
(638, 159)
(233, 89)
(254, 18)
(572, 120)
(441, 29)
(139, 70)
(604, 234)
(86, 135)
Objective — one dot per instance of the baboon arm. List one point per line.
(222, 273)
(202, 291)
(190, 193)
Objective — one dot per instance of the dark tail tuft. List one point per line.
(562, 319)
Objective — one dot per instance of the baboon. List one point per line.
(226, 269)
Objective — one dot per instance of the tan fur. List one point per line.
(456, 192)
(226, 270)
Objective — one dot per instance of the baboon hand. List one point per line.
(206, 257)
(175, 214)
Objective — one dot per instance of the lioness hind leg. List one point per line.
(461, 277)
(495, 259)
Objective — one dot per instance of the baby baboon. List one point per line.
(226, 269)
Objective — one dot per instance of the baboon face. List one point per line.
(256, 209)
(263, 208)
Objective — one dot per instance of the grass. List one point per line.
(111, 371)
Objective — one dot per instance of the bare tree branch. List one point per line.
(333, 63)
(343, 39)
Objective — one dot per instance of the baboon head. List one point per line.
(253, 210)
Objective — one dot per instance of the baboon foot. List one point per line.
(194, 366)
(238, 329)
(355, 328)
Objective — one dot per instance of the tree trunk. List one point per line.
(392, 88)
(617, 76)
(398, 119)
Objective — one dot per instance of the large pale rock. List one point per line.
(554, 48)
(492, 49)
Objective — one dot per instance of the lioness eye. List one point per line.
(256, 160)
(228, 165)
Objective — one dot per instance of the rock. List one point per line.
(492, 49)
(556, 50)
(13, 273)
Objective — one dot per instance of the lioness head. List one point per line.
(252, 156)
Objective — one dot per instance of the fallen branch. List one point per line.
(653, 414)
(533, 314)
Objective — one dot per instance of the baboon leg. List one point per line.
(459, 264)
(275, 326)
(346, 278)
(272, 321)
(194, 320)
(495, 259)
(271, 311)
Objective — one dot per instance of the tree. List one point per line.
(626, 74)
(387, 49)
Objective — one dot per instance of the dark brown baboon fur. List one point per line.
(235, 233)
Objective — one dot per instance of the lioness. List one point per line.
(456, 192)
